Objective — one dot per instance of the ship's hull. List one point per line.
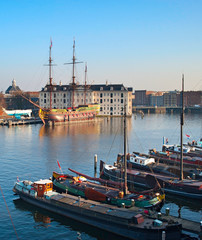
(100, 193)
(188, 188)
(66, 116)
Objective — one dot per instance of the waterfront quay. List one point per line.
(171, 110)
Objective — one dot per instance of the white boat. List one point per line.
(18, 113)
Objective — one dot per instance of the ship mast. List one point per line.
(73, 73)
(50, 77)
(181, 129)
(125, 152)
(85, 84)
(50, 73)
(73, 76)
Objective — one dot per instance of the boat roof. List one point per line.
(44, 181)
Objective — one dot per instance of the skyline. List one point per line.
(144, 44)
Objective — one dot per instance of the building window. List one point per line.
(64, 100)
(121, 100)
(121, 94)
(44, 100)
(111, 108)
(100, 109)
(100, 100)
(54, 95)
(64, 95)
(54, 100)
(111, 94)
(100, 94)
(111, 100)
(44, 95)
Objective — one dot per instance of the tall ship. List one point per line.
(81, 113)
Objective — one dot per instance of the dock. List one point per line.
(187, 225)
(14, 121)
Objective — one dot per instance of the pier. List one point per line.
(14, 121)
(171, 110)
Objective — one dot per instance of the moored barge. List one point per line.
(128, 223)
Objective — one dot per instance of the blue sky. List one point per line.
(144, 44)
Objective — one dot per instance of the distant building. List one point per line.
(156, 99)
(192, 98)
(141, 98)
(111, 97)
(13, 100)
(170, 99)
(13, 88)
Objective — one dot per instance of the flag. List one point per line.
(58, 164)
(59, 167)
(188, 136)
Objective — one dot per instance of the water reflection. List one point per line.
(78, 230)
(106, 126)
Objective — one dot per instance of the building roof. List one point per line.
(95, 87)
(12, 88)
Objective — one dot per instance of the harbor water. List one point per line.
(31, 152)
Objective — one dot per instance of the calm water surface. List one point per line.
(31, 152)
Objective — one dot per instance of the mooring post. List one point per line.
(163, 235)
(95, 163)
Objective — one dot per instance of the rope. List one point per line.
(9, 213)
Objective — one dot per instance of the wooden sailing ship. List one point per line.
(81, 113)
